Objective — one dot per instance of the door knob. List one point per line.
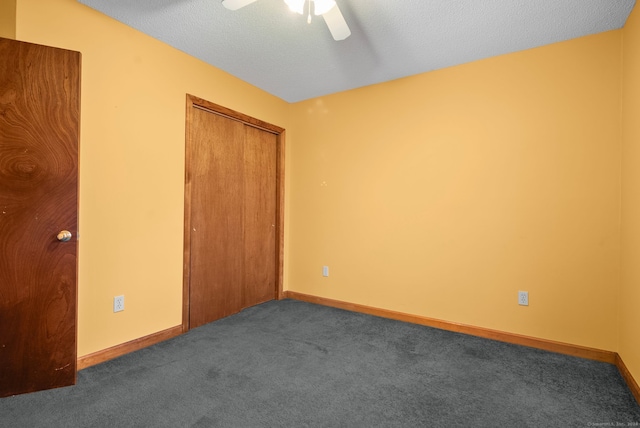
(64, 236)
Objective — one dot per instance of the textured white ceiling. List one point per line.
(274, 49)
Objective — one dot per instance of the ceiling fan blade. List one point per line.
(236, 4)
(336, 23)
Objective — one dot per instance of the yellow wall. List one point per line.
(630, 292)
(132, 163)
(8, 19)
(444, 194)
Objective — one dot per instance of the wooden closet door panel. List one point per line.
(260, 151)
(216, 217)
(233, 245)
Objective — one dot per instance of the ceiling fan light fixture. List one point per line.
(328, 9)
(296, 6)
(320, 7)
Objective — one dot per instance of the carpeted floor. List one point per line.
(293, 364)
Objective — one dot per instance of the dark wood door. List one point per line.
(232, 213)
(39, 122)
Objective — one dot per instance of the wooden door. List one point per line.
(233, 213)
(39, 122)
(216, 217)
(259, 173)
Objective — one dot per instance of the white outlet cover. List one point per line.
(118, 303)
(523, 298)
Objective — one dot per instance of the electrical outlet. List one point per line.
(118, 303)
(523, 298)
(325, 270)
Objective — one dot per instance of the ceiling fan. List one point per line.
(328, 9)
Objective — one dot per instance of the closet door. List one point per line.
(217, 243)
(231, 192)
(259, 217)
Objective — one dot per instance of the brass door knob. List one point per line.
(64, 236)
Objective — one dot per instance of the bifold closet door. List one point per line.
(233, 217)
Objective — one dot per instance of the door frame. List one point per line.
(199, 103)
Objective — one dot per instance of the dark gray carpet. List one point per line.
(294, 364)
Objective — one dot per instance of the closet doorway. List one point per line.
(233, 226)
